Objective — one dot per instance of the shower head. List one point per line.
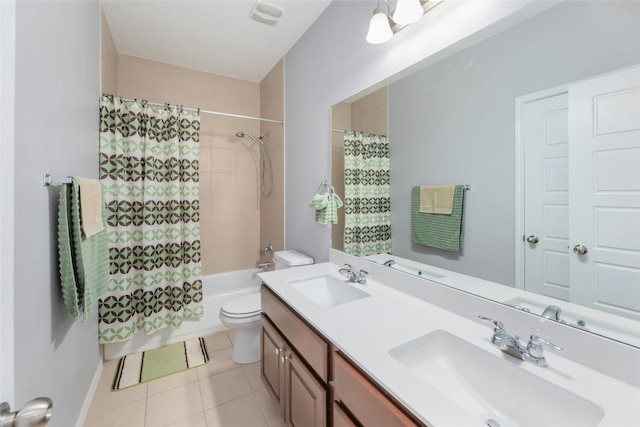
(256, 140)
(266, 160)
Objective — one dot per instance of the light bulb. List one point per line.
(379, 29)
(407, 12)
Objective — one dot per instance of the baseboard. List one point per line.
(89, 397)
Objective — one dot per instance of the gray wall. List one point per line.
(454, 122)
(332, 62)
(57, 89)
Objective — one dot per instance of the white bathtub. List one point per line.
(216, 290)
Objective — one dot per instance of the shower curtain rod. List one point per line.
(216, 113)
(344, 130)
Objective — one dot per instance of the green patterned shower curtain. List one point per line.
(367, 202)
(149, 172)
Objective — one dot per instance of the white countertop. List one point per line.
(368, 328)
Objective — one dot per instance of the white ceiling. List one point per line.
(216, 36)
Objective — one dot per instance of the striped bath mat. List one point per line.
(149, 365)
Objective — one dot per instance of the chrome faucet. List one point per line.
(510, 344)
(353, 275)
(552, 312)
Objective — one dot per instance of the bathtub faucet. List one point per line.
(264, 265)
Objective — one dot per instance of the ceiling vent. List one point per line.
(266, 13)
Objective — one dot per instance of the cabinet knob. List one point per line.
(283, 358)
(278, 350)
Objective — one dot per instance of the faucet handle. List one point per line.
(536, 343)
(361, 276)
(499, 326)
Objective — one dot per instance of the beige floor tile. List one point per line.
(219, 361)
(243, 412)
(172, 381)
(126, 415)
(197, 420)
(224, 387)
(106, 400)
(173, 405)
(270, 408)
(252, 371)
(217, 341)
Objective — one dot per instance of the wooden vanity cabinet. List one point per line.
(294, 364)
(366, 404)
(311, 393)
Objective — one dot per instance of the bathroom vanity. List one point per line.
(345, 354)
(312, 380)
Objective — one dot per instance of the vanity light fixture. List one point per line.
(407, 12)
(382, 25)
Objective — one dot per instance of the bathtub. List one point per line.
(216, 290)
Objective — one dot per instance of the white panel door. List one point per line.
(604, 159)
(546, 201)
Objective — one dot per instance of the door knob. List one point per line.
(580, 250)
(35, 413)
(533, 239)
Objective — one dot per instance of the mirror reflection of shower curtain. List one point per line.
(367, 203)
(149, 169)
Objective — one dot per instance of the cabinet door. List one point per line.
(363, 399)
(271, 367)
(341, 418)
(306, 397)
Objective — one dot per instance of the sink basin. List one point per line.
(491, 388)
(327, 291)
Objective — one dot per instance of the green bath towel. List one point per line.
(70, 291)
(84, 262)
(438, 230)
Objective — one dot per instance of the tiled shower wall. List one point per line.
(232, 212)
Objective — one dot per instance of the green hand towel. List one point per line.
(438, 230)
(326, 207)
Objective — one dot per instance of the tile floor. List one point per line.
(220, 393)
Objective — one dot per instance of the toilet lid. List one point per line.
(244, 306)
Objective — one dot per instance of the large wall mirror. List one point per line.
(467, 119)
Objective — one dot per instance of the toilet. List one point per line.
(242, 314)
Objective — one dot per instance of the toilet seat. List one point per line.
(242, 307)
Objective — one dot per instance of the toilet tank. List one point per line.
(291, 258)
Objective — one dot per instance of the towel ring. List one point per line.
(326, 186)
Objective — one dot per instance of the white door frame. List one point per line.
(7, 147)
(519, 181)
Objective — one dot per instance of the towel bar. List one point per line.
(47, 180)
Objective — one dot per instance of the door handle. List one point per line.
(532, 239)
(35, 413)
(580, 250)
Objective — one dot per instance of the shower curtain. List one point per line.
(149, 173)
(367, 203)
